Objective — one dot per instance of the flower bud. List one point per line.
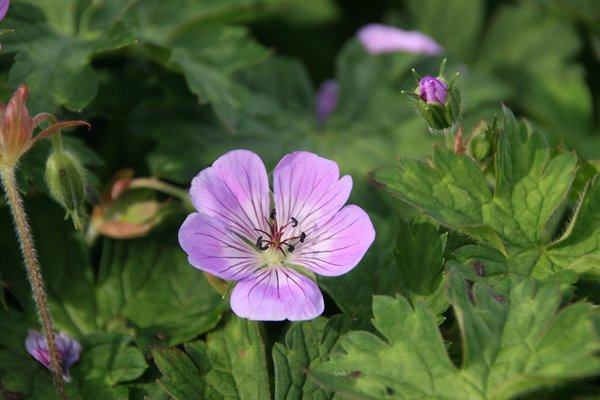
(128, 208)
(68, 349)
(432, 90)
(483, 142)
(65, 178)
(438, 101)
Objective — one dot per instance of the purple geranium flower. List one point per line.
(237, 235)
(432, 90)
(378, 38)
(326, 100)
(68, 349)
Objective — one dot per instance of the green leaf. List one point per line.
(397, 263)
(530, 27)
(559, 105)
(305, 343)
(512, 345)
(54, 59)
(455, 23)
(494, 269)
(364, 78)
(231, 364)
(519, 218)
(149, 285)
(158, 21)
(110, 358)
(274, 121)
(579, 248)
(208, 63)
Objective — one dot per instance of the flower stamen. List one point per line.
(259, 244)
(276, 234)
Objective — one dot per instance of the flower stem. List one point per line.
(34, 274)
(57, 142)
(155, 184)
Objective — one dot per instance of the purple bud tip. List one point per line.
(378, 38)
(326, 100)
(432, 90)
(68, 349)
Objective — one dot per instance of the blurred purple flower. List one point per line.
(378, 38)
(3, 8)
(432, 90)
(326, 100)
(68, 349)
(237, 236)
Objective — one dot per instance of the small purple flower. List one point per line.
(68, 349)
(432, 90)
(3, 8)
(378, 38)
(326, 100)
(237, 235)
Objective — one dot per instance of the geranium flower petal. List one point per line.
(336, 247)
(234, 189)
(213, 248)
(276, 294)
(308, 188)
(379, 38)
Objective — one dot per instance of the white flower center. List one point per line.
(272, 256)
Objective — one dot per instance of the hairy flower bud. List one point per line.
(65, 178)
(438, 101)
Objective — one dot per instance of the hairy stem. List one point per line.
(34, 273)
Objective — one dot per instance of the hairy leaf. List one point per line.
(511, 345)
(305, 343)
(230, 364)
(149, 285)
(520, 217)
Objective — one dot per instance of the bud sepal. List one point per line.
(16, 127)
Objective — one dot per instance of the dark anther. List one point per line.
(302, 237)
(259, 244)
(272, 215)
(294, 222)
(291, 248)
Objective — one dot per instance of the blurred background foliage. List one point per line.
(169, 86)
